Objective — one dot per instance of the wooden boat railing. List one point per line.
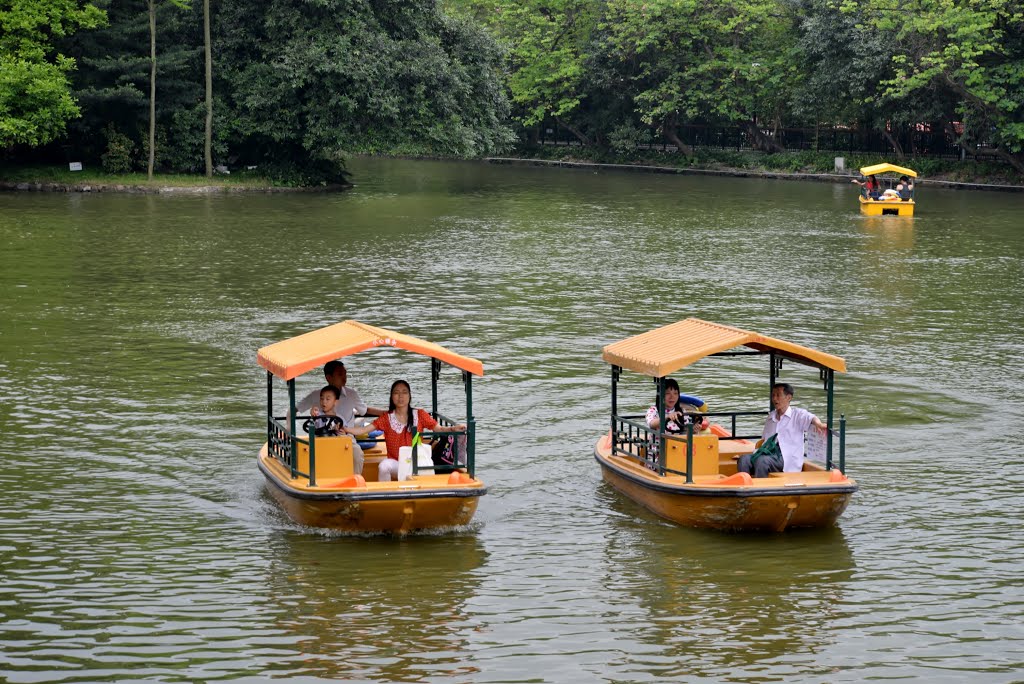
(632, 438)
(283, 446)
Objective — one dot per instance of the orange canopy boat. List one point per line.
(313, 477)
(691, 478)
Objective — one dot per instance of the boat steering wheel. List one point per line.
(328, 427)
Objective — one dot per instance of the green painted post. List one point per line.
(830, 388)
(291, 426)
(689, 452)
(435, 373)
(467, 379)
(660, 402)
(842, 443)
(270, 410)
(312, 454)
(615, 405)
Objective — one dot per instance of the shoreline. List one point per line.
(742, 173)
(132, 189)
(136, 189)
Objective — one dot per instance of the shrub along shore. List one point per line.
(812, 166)
(806, 166)
(51, 179)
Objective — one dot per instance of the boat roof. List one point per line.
(664, 350)
(293, 357)
(887, 168)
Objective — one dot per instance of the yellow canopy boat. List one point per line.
(691, 478)
(313, 477)
(890, 198)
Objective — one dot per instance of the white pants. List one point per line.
(387, 469)
(357, 457)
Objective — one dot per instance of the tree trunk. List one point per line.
(152, 87)
(1014, 160)
(897, 148)
(208, 141)
(762, 142)
(672, 134)
(584, 140)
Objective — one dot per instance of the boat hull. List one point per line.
(789, 500)
(886, 207)
(427, 502)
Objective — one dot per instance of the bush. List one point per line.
(120, 153)
(626, 138)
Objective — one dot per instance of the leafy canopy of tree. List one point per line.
(35, 92)
(296, 84)
(600, 67)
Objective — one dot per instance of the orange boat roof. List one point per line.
(665, 350)
(291, 358)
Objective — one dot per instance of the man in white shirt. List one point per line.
(349, 405)
(789, 423)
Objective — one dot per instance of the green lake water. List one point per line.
(137, 540)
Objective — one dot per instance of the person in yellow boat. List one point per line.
(399, 425)
(872, 188)
(787, 424)
(676, 418)
(348, 406)
(905, 188)
(325, 420)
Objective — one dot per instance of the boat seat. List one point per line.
(333, 457)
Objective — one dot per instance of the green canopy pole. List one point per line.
(270, 409)
(616, 370)
(467, 380)
(830, 389)
(660, 402)
(291, 425)
(435, 373)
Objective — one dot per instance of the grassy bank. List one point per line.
(969, 171)
(62, 176)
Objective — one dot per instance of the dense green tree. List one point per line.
(714, 60)
(181, 4)
(973, 48)
(35, 92)
(315, 79)
(548, 43)
(208, 81)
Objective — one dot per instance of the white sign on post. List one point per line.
(75, 166)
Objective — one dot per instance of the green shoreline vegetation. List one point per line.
(293, 88)
(790, 162)
(817, 165)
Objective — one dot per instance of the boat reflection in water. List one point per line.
(387, 609)
(741, 602)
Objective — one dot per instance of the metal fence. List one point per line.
(914, 140)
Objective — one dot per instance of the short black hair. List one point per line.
(332, 389)
(786, 388)
(330, 367)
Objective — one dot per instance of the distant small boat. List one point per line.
(693, 480)
(312, 477)
(890, 202)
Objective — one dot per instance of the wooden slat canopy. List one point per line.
(887, 168)
(293, 357)
(664, 350)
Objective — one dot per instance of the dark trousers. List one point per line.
(761, 467)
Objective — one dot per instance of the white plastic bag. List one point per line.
(424, 457)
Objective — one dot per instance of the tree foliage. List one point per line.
(974, 48)
(35, 92)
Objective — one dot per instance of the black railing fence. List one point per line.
(913, 140)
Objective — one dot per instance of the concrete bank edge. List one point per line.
(741, 173)
(25, 186)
